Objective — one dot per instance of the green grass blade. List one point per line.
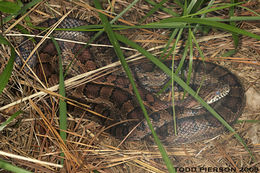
(235, 18)
(166, 10)
(213, 9)
(173, 103)
(153, 10)
(234, 36)
(229, 53)
(190, 56)
(171, 22)
(6, 74)
(62, 103)
(198, 5)
(9, 167)
(197, 46)
(189, 8)
(9, 7)
(173, 34)
(119, 53)
(9, 120)
(248, 9)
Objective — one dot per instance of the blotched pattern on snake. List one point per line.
(112, 95)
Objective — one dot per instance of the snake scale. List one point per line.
(112, 95)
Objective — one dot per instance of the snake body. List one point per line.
(112, 95)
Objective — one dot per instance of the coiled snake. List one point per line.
(112, 95)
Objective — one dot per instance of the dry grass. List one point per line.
(35, 133)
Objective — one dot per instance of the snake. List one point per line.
(112, 95)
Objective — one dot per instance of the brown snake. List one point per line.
(112, 95)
